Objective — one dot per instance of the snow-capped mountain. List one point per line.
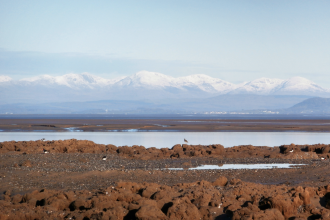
(299, 85)
(70, 80)
(5, 79)
(147, 79)
(144, 85)
(206, 83)
(157, 80)
(292, 86)
(263, 86)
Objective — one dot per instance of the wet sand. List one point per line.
(207, 125)
(73, 181)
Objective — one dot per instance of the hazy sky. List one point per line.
(232, 40)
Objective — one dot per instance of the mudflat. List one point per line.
(75, 179)
(207, 125)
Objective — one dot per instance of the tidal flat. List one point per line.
(82, 180)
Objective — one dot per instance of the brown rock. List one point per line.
(59, 204)
(117, 213)
(284, 205)
(16, 199)
(235, 181)
(305, 197)
(183, 209)
(149, 212)
(150, 190)
(203, 200)
(210, 213)
(221, 181)
(78, 204)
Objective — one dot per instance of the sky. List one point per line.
(232, 40)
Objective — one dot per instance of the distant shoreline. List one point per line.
(171, 116)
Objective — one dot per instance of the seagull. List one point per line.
(45, 151)
(185, 140)
(291, 151)
(43, 139)
(322, 158)
(104, 158)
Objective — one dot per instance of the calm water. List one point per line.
(168, 139)
(242, 166)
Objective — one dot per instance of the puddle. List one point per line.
(130, 130)
(137, 130)
(164, 126)
(190, 121)
(159, 130)
(73, 129)
(243, 166)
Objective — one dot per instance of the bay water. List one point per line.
(168, 139)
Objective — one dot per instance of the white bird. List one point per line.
(104, 158)
(45, 151)
(322, 158)
(291, 151)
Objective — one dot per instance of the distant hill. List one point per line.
(222, 103)
(315, 105)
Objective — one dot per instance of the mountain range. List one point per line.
(144, 85)
(151, 92)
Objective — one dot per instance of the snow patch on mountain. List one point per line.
(71, 80)
(300, 84)
(206, 83)
(145, 78)
(263, 86)
(5, 78)
(157, 80)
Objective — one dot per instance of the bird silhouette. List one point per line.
(185, 140)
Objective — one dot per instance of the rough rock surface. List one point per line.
(198, 200)
(177, 151)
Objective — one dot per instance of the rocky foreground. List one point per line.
(73, 181)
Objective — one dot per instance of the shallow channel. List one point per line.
(243, 166)
(168, 139)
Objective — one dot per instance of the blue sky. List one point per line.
(232, 40)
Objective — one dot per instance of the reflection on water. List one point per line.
(168, 139)
(242, 166)
(72, 129)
